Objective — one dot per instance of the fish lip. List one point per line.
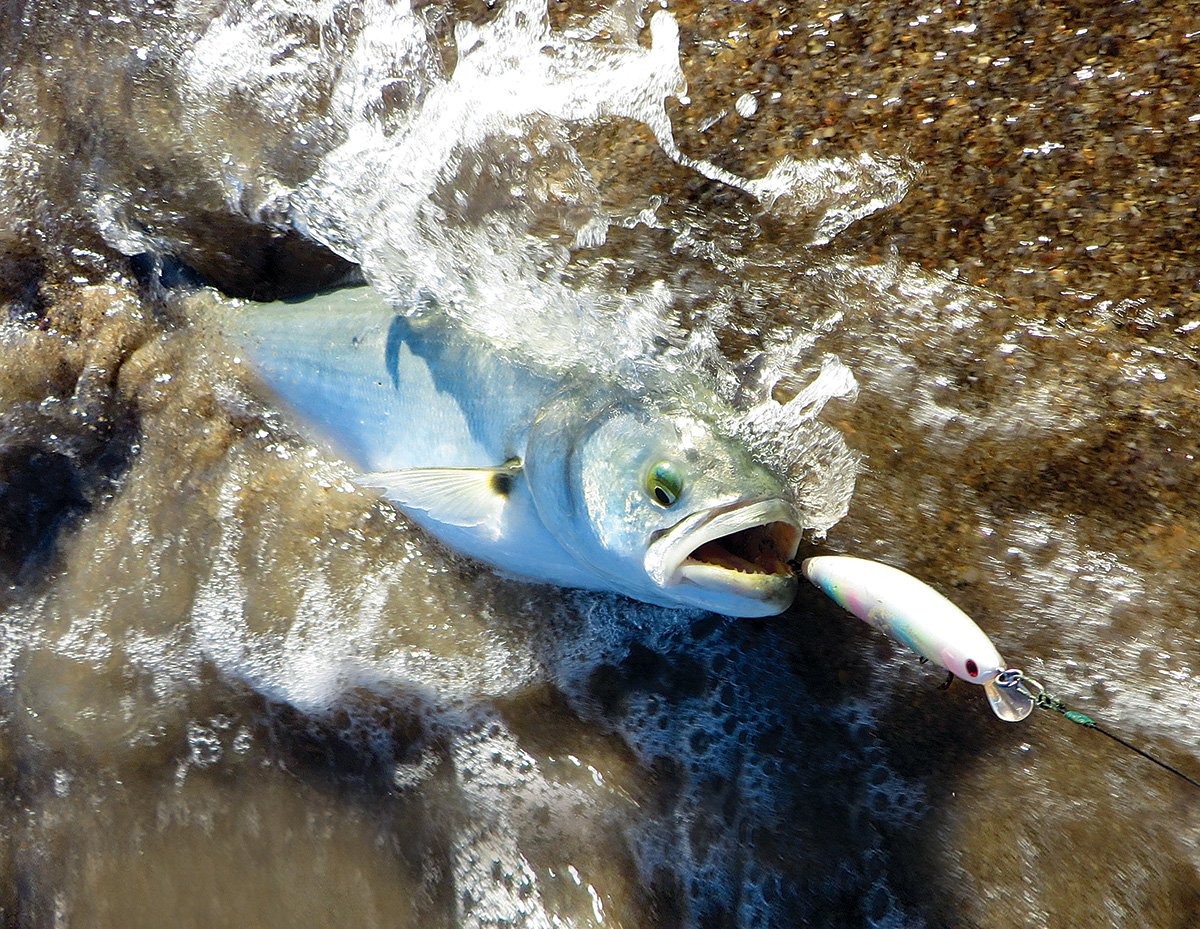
(667, 556)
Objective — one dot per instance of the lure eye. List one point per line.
(664, 484)
(972, 668)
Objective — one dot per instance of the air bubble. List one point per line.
(746, 106)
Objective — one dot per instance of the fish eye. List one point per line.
(972, 668)
(664, 483)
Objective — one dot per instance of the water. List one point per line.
(236, 690)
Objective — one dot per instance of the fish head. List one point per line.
(664, 506)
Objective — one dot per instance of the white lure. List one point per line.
(916, 615)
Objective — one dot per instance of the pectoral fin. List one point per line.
(465, 497)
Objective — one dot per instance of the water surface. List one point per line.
(237, 690)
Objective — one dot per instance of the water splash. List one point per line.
(461, 191)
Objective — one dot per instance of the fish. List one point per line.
(556, 477)
(914, 614)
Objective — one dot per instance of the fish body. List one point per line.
(564, 479)
(909, 611)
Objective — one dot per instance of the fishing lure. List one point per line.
(916, 615)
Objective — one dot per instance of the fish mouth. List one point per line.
(738, 555)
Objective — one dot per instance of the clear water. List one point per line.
(238, 691)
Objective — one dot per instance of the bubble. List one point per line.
(746, 105)
(879, 906)
(204, 746)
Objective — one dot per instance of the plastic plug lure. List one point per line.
(916, 615)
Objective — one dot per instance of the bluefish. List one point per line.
(568, 479)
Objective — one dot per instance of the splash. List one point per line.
(457, 190)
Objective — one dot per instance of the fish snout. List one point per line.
(734, 559)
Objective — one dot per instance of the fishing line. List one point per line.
(1017, 679)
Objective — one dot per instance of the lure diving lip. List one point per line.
(916, 615)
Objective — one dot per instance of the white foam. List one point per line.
(1149, 685)
(497, 886)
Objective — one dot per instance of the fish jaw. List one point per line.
(733, 559)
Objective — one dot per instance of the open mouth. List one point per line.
(742, 550)
(764, 549)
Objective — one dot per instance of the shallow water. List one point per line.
(237, 690)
